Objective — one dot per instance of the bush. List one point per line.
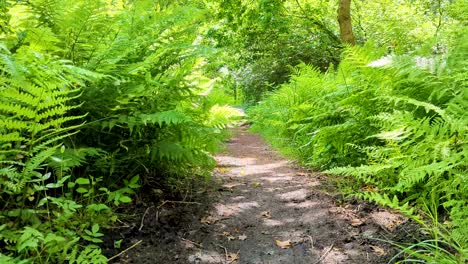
(96, 99)
(400, 129)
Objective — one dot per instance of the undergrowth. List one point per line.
(397, 124)
(97, 98)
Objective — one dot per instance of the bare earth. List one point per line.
(263, 209)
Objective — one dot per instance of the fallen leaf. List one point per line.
(256, 184)
(223, 170)
(242, 237)
(378, 250)
(228, 236)
(283, 244)
(231, 257)
(369, 189)
(356, 222)
(301, 174)
(242, 173)
(266, 214)
(209, 220)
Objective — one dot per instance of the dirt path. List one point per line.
(266, 210)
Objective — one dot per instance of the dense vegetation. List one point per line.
(393, 123)
(96, 99)
(104, 99)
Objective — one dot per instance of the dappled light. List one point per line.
(233, 131)
(270, 211)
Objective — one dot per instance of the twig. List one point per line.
(225, 250)
(234, 259)
(157, 209)
(191, 242)
(324, 255)
(121, 253)
(143, 218)
(311, 242)
(162, 204)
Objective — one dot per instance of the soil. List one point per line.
(260, 208)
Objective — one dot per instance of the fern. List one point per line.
(399, 128)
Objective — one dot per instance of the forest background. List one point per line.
(104, 101)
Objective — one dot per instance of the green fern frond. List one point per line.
(172, 117)
(393, 203)
(47, 140)
(17, 110)
(222, 116)
(11, 137)
(39, 158)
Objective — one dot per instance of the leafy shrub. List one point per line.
(96, 99)
(399, 129)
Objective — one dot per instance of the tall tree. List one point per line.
(344, 19)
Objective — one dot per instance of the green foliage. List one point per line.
(317, 115)
(263, 38)
(96, 99)
(399, 128)
(100, 97)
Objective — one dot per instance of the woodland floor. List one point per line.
(260, 208)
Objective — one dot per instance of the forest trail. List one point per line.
(266, 210)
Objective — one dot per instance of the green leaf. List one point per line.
(125, 199)
(82, 181)
(82, 190)
(98, 207)
(95, 228)
(117, 243)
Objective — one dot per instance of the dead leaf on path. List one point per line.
(242, 237)
(266, 214)
(378, 251)
(301, 174)
(283, 244)
(357, 222)
(231, 257)
(256, 184)
(242, 173)
(222, 169)
(228, 236)
(209, 220)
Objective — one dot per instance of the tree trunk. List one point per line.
(344, 19)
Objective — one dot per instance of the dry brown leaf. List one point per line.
(222, 169)
(231, 257)
(369, 189)
(228, 236)
(378, 251)
(242, 237)
(301, 174)
(356, 222)
(283, 244)
(266, 214)
(209, 220)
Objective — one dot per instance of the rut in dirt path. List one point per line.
(270, 211)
